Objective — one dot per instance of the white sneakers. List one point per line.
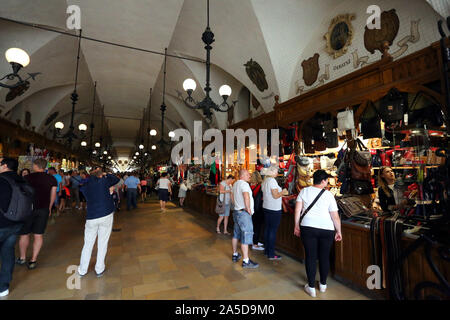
(4, 293)
(310, 291)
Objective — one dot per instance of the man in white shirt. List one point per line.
(242, 215)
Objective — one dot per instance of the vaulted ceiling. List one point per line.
(273, 33)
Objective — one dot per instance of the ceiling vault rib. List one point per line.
(100, 41)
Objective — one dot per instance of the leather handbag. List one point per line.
(287, 204)
(362, 157)
(360, 172)
(351, 206)
(331, 139)
(220, 206)
(393, 106)
(345, 120)
(371, 126)
(320, 145)
(362, 187)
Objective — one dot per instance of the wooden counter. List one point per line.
(350, 257)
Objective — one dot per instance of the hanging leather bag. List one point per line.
(393, 106)
(346, 120)
(331, 139)
(362, 157)
(361, 187)
(220, 206)
(371, 126)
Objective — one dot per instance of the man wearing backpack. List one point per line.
(8, 228)
(45, 186)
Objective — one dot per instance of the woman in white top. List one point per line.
(182, 192)
(319, 227)
(272, 194)
(165, 187)
(225, 192)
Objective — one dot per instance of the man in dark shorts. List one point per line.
(45, 187)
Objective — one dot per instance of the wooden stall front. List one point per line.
(420, 71)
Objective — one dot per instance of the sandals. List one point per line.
(32, 265)
(226, 233)
(21, 262)
(218, 231)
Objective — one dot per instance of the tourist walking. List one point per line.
(182, 192)
(132, 185)
(45, 186)
(99, 219)
(8, 228)
(242, 215)
(317, 222)
(164, 189)
(75, 181)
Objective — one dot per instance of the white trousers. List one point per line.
(102, 228)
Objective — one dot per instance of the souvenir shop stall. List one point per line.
(389, 116)
(382, 135)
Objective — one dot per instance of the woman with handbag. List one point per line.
(319, 225)
(272, 208)
(225, 198)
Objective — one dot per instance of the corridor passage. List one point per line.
(175, 255)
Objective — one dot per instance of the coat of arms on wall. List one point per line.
(256, 74)
(374, 39)
(340, 35)
(311, 69)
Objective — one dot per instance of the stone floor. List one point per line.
(172, 255)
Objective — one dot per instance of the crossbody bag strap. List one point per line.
(311, 205)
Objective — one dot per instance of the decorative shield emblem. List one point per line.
(340, 35)
(311, 69)
(256, 74)
(374, 39)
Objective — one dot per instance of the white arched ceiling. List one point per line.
(276, 34)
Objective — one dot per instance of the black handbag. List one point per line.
(431, 115)
(371, 126)
(332, 139)
(361, 187)
(393, 106)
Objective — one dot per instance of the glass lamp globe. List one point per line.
(94, 152)
(171, 134)
(16, 55)
(59, 125)
(109, 157)
(225, 90)
(105, 152)
(189, 84)
(153, 147)
(141, 146)
(82, 127)
(153, 132)
(97, 144)
(146, 154)
(137, 153)
(83, 143)
(134, 157)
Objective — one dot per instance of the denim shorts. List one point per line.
(243, 227)
(226, 213)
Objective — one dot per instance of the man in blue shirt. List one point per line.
(59, 180)
(132, 183)
(99, 219)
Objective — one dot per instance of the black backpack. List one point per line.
(371, 126)
(393, 106)
(21, 205)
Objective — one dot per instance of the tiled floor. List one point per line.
(175, 255)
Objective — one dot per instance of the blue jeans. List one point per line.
(272, 220)
(243, 227)
(8, 237)
(131, 198)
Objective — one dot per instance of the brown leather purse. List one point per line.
(351, 206)
(360, 172)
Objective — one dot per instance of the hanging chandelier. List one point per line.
(189, 85)
(162, 142)
(70, 134)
